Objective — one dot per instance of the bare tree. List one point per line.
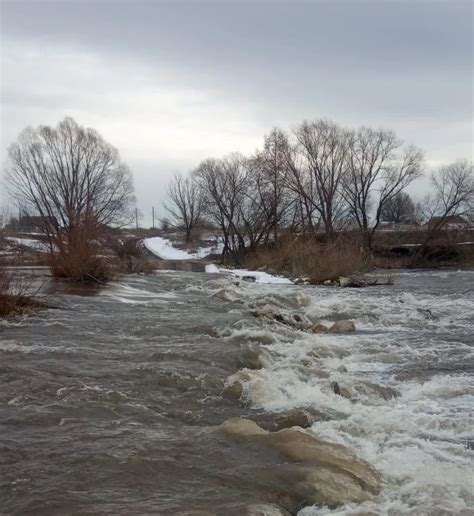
(71, 178)
(399, 209)
(270, 173)
(4, 215)
(323, 145)
(453, 187)
(184, 203)
(379, 168)
(235, 202)
(223, 186)
(300, 183)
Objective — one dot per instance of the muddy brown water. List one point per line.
(111, 402)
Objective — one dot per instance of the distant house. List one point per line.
(453, 222)
(32, 224)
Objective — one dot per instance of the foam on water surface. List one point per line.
(413, 339)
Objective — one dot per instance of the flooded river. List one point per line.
(111, 403)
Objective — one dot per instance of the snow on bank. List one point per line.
(259, 276)
(37, 245)
(164, 249)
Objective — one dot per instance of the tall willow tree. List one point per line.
(74, 181)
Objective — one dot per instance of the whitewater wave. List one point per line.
(408, 412)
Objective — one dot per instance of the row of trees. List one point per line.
(319, 177)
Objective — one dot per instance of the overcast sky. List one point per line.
(171, 83)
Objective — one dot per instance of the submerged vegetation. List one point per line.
(16, 296)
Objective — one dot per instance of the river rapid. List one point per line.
(112, 402)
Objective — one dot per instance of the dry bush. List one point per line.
(80, 267)
(298, 256)
(79, 260)
(16, 297)
(96, 257)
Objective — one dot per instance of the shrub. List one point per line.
(78, 259)
(16, 297)
(84, 267)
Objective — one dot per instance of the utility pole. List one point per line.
(153, 216)
(136, 217)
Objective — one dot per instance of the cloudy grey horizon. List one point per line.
(172, 83)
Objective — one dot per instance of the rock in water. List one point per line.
(364, 388)
(303, 418)
(343, 326)
(354, 282)
(227, 295)
(263, 509)
(296, 321)
(341, 391)
(253, 357)
(344, 282)
(319, 328)
(233, 391)
(328, 473)
(290, 418)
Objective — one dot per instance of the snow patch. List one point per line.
(258, 276)
(164, 249)
(37, 245)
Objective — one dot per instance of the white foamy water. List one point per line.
(414, 338)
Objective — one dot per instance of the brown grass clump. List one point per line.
(15, 297)
(297, 256)
(334, 261)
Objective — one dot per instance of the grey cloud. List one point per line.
(401, 64)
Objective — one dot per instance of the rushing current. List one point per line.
(111, 402)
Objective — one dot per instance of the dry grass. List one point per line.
(297, 256)
(16, 297)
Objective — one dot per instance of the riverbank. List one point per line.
(299, 258)
(295, 257)
(317, 261)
